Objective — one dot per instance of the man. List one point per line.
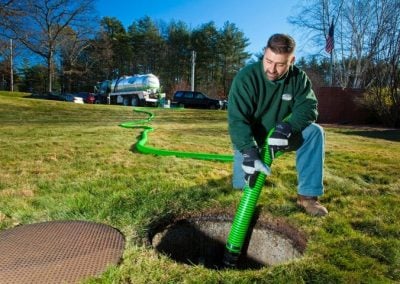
(275, 93)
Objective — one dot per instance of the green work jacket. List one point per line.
(256, 104)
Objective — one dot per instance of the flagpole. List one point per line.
(11, 67)
(329, 46)
(331, 70)
(193, 68)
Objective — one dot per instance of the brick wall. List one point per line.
(337, 105)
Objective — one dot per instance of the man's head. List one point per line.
(278, 56)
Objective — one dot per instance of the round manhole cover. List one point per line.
(58, 251)
(201, 241)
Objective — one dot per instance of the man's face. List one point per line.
(276, 65)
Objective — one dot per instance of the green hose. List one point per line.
(250, 196)
(143, 148)
(245, 211)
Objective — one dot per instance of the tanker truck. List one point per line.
(136, 90)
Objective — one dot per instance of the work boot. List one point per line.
(311, 205)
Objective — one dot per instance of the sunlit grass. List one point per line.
(63, 161)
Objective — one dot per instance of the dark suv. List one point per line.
(195, 100)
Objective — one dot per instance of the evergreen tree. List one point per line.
(147, 45)
(176, 71)
(119, 40)
(232, 55)
(205, 44)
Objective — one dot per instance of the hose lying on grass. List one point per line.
(143, 148)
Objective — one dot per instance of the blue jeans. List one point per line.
(309, 163)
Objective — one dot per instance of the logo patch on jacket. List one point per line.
(287, 97)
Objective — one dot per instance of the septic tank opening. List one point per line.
(201, 241)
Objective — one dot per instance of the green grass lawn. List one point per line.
(64, 161)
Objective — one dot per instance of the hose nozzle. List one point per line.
(230, 259)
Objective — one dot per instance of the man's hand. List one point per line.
(279, 140)
(253, 164)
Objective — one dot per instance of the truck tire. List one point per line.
(125, 102)
(135, 101)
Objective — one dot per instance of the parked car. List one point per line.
(193, 99)
(54, 97)
(48, 96)
(81, 98)
(73, 98)
(88, 98)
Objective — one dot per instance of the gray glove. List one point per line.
(252, 165)
(279, 140)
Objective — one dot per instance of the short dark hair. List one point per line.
(281, 43)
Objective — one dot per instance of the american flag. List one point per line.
(330, 42)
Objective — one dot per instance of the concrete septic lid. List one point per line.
(58, 252)
(201, 241)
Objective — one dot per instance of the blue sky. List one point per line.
(257, 19)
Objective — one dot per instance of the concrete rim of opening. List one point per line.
(164, 236)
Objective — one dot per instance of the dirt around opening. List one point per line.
(200, 240)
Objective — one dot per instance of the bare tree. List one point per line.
(7, 11)
(71, 46)
(359, 28)
(42, 25)
(316, 17)
(384, 90)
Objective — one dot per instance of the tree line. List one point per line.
(78, 50)
(168, 51)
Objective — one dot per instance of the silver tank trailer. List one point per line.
(146, 82)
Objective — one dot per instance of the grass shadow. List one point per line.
(386, 134)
